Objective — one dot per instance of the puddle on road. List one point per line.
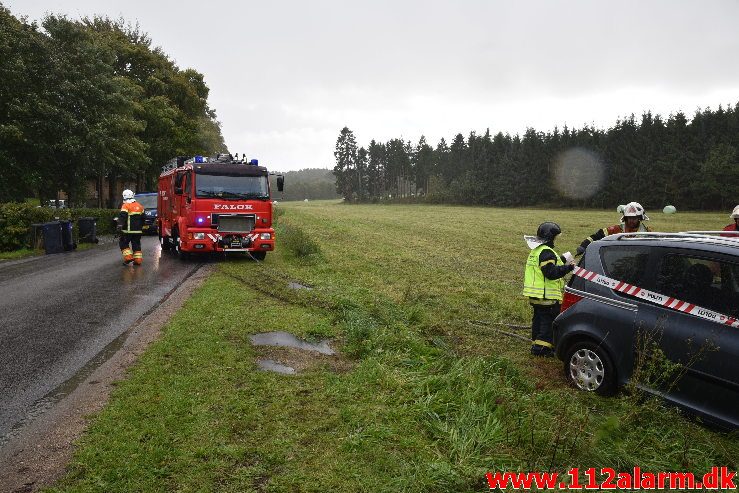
(285, 339)
(297, 285)
(274, 366)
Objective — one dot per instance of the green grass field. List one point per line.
(426, 395)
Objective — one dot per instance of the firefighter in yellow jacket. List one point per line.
(543, 285)
(130, 223)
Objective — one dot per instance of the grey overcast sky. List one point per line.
(285, 77)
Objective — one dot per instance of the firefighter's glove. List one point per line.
(580, 250)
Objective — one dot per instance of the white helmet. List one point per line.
(128, 196)
(634, 209)
(735, 213)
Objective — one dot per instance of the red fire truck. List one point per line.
(216, 204)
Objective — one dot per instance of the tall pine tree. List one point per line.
(346, 164)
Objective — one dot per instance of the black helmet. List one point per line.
(547, 231)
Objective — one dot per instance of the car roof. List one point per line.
(699, 240)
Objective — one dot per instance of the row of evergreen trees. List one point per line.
(92, 99)
(690, 164)
(309, 183)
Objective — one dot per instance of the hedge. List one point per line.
(16, 220)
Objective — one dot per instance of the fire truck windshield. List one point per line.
(231, 187)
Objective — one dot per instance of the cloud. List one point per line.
(286, 77)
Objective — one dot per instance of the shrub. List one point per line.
(16, 220)
(277, 213)
(296, 241)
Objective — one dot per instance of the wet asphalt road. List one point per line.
(57, 312)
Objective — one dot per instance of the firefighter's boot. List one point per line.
(138, 257)
(127, 256)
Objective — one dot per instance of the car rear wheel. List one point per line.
(588, 366)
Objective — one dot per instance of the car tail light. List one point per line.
(569, 300)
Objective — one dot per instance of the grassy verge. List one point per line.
(19, 254)
(427, 397)
(29, 252)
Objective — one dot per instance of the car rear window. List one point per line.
(148, 201)
(625, 263)
(708, 283)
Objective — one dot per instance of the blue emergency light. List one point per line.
(198, 159)
(254, 162)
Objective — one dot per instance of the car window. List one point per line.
(708, 283)
(625, 263)
(148, 201)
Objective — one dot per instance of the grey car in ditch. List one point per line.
(607, 338)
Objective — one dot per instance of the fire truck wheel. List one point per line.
(182, 255)
(259, 255)
(164, 242)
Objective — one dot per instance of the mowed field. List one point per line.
(425, 395)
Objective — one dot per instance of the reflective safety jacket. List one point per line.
(541, 289)
(131, 218)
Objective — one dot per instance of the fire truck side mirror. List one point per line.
(280, 183)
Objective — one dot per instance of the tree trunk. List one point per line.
(99, 190)
(111, 191)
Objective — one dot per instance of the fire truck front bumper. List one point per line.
(210, 241)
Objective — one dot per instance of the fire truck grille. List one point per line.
(241, 223)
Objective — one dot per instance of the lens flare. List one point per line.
(578, 173)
